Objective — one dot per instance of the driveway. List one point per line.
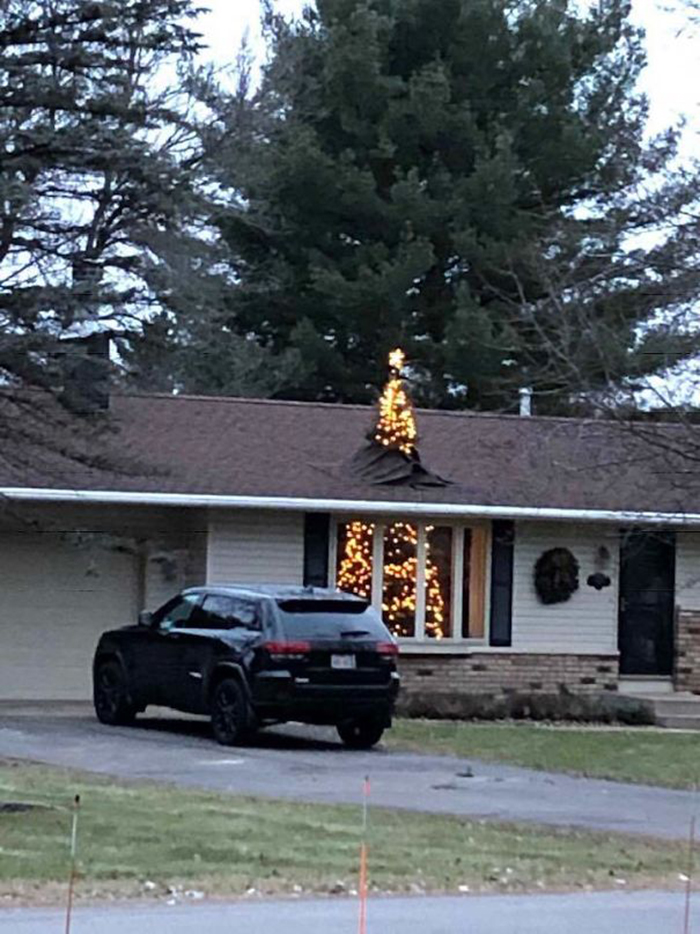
(309, 764)
(606, 913)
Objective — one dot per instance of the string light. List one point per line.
(396, 427)
(355, 567)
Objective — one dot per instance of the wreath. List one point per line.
(556, 575)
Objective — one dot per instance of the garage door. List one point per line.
(55, 599)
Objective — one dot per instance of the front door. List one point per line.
(647, 571)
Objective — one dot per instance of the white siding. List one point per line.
(585, 623)
(172, 563)
(688, 570)
(250, 546)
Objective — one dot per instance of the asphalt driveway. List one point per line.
(309, 764)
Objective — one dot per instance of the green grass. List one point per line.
(224, 845)
(645, 756)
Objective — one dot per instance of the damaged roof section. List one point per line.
(381, 466)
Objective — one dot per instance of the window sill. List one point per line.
(443, 647)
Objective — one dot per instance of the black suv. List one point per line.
(253, 656)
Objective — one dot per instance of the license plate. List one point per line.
(342, 661)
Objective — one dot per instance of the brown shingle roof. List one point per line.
(248, 447)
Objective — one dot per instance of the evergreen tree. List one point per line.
(467, 179)
(95, 168)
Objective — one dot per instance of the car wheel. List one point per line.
(229, 713)
(360, 734)
(111, 696)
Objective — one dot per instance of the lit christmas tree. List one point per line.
(355, 560)
(396, 427)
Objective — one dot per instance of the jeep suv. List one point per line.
(253, 656)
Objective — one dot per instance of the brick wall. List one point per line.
(687, 669)
(505, 673)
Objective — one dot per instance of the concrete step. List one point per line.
(679, 711)
(645, 685)
(679, 722)
(672, 707)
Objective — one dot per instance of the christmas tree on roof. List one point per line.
(396, 427)
(390, 454)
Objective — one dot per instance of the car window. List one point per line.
(176, 612)
(329, 618)
(221, 612)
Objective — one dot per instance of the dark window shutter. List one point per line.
(502, 582)
(316, 542)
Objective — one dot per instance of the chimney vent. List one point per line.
(86, 372)
(526, 401)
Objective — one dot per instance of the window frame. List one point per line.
(479, 583)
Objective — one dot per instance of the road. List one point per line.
(600, 913)
(304, 764)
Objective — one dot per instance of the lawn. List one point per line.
(142, 839)
(646, 756)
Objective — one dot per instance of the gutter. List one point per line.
(366, 507)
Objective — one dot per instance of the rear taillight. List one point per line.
(387, 648)
(288, 649)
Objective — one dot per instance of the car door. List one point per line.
(221, 626)
(158, 651)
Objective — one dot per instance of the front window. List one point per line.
(438, 582)
(400, 567)
(427, 580)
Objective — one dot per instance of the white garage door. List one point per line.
(55, 600)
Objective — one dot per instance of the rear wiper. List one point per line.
(349, 633)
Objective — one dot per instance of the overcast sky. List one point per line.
(671, 79)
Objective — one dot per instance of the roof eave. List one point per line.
(367, 507)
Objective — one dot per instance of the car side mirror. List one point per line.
(146, 618)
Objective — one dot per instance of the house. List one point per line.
(518, 554)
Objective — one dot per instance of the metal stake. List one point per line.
(362, 927)
(73, 852)
(689, 875)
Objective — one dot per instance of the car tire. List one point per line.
(111, 695)
(360, 734)
(230, 717)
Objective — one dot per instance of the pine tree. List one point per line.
(95, 169)
(467, 179)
